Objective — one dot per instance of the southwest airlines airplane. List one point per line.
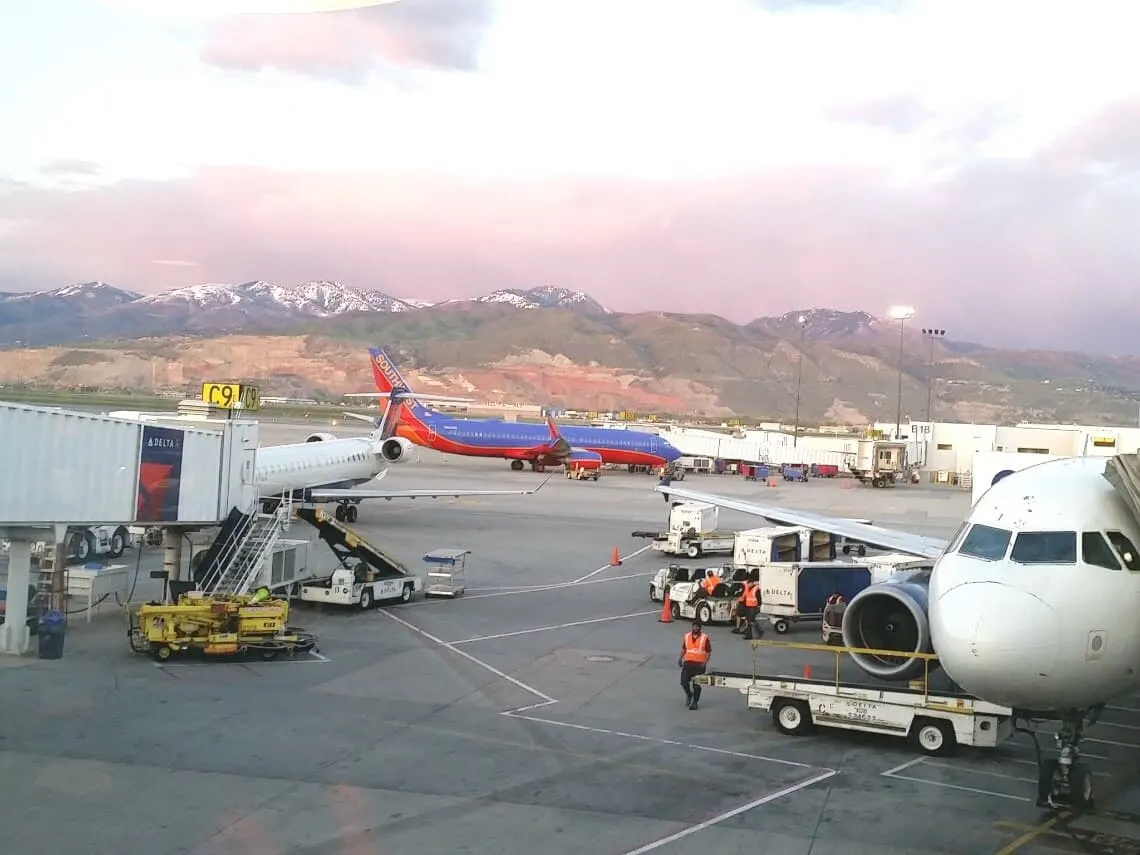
(1029, 606)
(518, 442)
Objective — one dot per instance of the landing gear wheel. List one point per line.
(406, 594)
(1046, 776)
(517, 465)
(934, 737)
(118, 543)
(350, 513)
(1081, 787)
(366, 599)
(340, 513)
(792, 718)
(162, 653)
(781, 626)
(693, 550)
(704, 613)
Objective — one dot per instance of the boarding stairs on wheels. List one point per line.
(244, 544)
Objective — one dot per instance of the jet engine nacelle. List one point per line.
(891, 615)
(319, 437)
(395, 449)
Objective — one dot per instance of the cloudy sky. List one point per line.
(974, 158)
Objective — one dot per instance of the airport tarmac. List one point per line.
(540, 712)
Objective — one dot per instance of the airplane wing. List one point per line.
(319, 495)
(872, 535)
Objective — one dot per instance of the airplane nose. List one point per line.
(995, 641)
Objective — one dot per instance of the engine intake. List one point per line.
(319, 437)
(395, 449)
(891, 615)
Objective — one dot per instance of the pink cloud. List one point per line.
(348, 45)
(1029, 253)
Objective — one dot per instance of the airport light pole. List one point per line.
(901, 314)
(931, 336)
(802, 321)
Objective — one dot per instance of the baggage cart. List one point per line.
(447, 572)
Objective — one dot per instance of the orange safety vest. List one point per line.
(749, 596)
(709, 583)
(695, 649)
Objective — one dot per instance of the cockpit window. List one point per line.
(1125, 548)
(1045, 547)
(986, 542)
(958, 537)
(1096, 551)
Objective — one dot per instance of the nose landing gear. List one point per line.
(1064, 782)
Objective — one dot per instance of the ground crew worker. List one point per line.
(696, 648)
(710, 582)
(749, 605)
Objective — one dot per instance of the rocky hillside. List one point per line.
(593, 359)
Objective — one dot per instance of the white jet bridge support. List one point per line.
(64, 468)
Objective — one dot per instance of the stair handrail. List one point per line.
(254, 560)
(229, 549)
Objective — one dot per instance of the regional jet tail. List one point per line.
(518, 442)
(1023, 606)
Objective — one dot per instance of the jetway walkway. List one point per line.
(1123, 473)
(346, 543)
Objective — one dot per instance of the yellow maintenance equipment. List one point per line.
(218, 626)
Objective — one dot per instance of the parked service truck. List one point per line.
(692, 531)
(798, 591)
(879, 462)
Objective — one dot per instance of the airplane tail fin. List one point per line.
(558, 443)
(392, 388)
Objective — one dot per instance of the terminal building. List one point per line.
(944, 449)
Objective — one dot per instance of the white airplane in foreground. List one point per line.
(1028, 606)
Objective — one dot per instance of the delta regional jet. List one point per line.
(1028, 606)
(327, 472)
(521, 443)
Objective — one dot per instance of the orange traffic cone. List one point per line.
(666, 610)
(615, 559)
(807, 672)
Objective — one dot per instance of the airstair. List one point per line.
(1123, 472)
(231, 566)
(346, 543)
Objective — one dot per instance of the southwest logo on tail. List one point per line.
(541, 446)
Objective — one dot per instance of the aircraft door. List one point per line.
(433, 434)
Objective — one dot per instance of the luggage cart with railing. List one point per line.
(447, 572)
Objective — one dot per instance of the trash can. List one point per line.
(52, 627)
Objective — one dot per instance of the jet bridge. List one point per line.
(63, 468)
(1123, 472)
(346, 543)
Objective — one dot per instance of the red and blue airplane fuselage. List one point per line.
(540, 445)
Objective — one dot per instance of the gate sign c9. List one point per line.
(231, 396)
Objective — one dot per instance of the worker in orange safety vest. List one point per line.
(696, 648)
(747, 608)
(710, 582)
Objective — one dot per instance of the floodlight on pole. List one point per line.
(802, 321)
(932, 336)
(901, 314)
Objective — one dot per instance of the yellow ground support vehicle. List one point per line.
(217, 626)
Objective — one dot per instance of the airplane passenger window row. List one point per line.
(1049, 547)
(292, 467)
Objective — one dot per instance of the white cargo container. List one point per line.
(84, 469)
(757, 547)
(693, 516)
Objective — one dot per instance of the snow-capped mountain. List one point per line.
(320, 299)
(546, 297)
(820, 324)
(96, 311)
